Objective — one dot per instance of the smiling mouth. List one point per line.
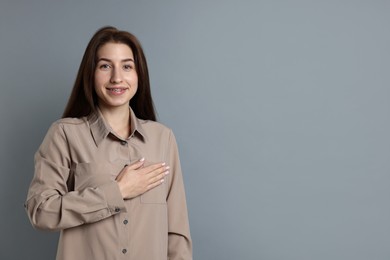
(116, 90)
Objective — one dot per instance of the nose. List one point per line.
(116, 76)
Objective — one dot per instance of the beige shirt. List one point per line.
(74, 190)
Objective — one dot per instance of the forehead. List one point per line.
(112, 50)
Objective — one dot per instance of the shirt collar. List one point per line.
(100, 129)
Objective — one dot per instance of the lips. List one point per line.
(116, 91)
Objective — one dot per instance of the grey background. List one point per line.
(280, 108)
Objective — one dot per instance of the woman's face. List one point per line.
(116, 79)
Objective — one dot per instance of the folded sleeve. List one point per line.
(179, 239)
(50, 204)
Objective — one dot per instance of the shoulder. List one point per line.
(154, 126)
(152, 129)
(63, 125)
(69, 122)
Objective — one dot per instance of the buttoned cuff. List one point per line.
(114, 198)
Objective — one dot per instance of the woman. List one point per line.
(107, 175)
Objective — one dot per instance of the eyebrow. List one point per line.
(124, 60)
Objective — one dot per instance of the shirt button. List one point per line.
(117, 209)
(124, 251)
(123, 142)
(125, 221)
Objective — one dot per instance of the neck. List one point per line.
(118, 118)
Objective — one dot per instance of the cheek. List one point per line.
(98, 80)
(97, 84)
(135, 79)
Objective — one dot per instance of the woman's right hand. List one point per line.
(136, 179)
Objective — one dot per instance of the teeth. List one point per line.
(116, 89)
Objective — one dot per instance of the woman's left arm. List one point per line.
(179, 238)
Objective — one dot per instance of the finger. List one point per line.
(138, 164)
(155, 167)
(160, 171)
(155, 184)
(158, 177)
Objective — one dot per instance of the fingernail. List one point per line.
(163, 164)
(167, 172)
(142, 159)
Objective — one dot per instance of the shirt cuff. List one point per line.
(115, 202)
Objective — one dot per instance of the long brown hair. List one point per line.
(83, 99)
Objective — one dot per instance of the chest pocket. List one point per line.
(93, 174)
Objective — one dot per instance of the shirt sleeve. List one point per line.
(179, 239)
(50, 205)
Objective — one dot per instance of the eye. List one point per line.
(127, 67)
(104, 66)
